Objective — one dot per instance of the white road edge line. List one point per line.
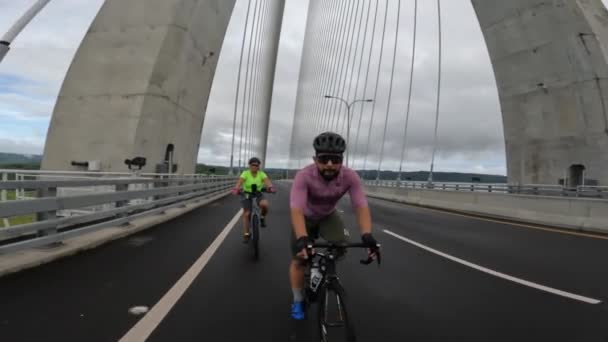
(144, 328)
(497, 274)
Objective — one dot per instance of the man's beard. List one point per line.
(329, 175)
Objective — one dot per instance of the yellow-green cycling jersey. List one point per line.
(249, 179)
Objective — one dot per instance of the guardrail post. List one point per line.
(180, 183)
(472, 187)
(5, 220)
(47, 215)
(119, 188)
(489, 188)
(457, 187)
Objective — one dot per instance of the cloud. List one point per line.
(470, 126)
(32, 72)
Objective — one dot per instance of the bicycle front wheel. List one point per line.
(332, 315)
(255, 236)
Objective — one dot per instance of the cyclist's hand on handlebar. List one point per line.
(302, 247)
(271, 190)
(373, 248)
(236, 191)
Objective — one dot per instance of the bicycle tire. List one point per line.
(255, 235)
(343, 329)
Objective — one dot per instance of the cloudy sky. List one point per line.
(470, 130)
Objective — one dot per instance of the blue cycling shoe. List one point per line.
(297, 311)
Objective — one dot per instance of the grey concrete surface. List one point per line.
(550, 63)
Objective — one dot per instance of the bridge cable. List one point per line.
(300, 99)
(312, 95)
(312, 70)
(238, 87)
(390, 91)
(250, 110)
(409, 97)
(357, 82)
(365, 83)
(348, 75)
(333, 60)
(258, 82)
(328, 60)
(430, 180)
(352, 74)
(337, 106)
(334, 69)
(241, 154)
(318, 58)
(369, 133)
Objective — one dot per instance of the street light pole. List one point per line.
(348, 106)
(18, 26)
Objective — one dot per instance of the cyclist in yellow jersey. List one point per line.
(248, 178)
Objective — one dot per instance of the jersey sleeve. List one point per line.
(264, 175)
(298, 196)
(244, 175)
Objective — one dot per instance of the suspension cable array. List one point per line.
(345, 43)
(255, 77)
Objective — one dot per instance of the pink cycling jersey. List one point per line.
(318, 198)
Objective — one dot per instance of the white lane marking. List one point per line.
(144, 328)
(498, 274)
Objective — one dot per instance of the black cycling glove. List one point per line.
(302, 243)
(369, 242)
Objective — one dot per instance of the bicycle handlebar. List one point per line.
(241, 191)
(367, 261)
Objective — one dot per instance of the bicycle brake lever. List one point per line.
(370, 259)
(367, 262)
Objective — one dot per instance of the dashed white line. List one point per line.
(496, 273)
(142, 330)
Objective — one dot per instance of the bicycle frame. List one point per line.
(254, 220)
(325, 263)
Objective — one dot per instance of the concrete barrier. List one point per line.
(564, 212)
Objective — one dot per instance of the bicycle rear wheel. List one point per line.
(255, 235)
(332, 316)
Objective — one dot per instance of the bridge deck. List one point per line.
(416, 294)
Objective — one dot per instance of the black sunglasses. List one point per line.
(326, 158)
(256, 165)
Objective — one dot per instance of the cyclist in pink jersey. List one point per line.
(315, 192)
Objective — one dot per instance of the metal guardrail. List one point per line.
(119, 202)
(524, 189)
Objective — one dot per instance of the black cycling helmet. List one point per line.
(255, 160)
(329, 142)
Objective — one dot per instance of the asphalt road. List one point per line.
(443, 277)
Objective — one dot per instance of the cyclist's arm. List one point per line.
(298, 222)
(364, 218)
(359, 203)
(298, 199)
(267, 182)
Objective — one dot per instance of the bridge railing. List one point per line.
(525, 189)
(60, 205)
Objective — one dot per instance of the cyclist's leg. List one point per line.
(296, 272)
(332, 229)
(263, 203)
(246, 205)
